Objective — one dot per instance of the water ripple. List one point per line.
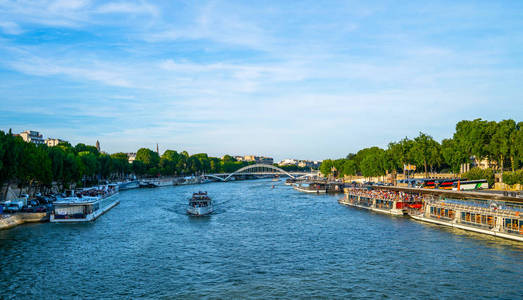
(261, 243)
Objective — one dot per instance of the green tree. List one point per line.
(138, 167)
(349, 168)
(472, 137)
(120, 163)
(227, 158)
(168, 163)
(452, 154)
(88, 164)
(326, 166)
(71, 171)
(204, 162)
(57, 156)
(106, 165)
(477, 173)
(149, 158)
(514, 146)
(11, 148)
(425, 151)
(518, 145)
(500, 144)
(86, 148)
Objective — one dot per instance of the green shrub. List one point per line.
(515, 177)
(477, 173)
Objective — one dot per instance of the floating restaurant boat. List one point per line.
(319, 186)
(501, 219)
(85, 206)
(388, 202)
(482, 212)
(200, 204)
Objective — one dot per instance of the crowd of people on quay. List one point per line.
(386, 195)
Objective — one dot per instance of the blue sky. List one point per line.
(303, 79)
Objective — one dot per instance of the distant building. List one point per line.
(303, 164)
(53, 142)
(98, 145)
(288, 162)
(131, 157)
(257, 159)
(34, 137)
(300, 163)
(265, 160)
(483, 163)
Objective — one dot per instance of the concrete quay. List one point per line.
(11, 220)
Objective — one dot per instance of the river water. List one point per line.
(262, 242)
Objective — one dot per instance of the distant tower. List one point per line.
(98, 146)
(157, 150)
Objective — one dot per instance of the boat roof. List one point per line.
(484, 195)
(77, 201)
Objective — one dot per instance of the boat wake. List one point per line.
(219, 208)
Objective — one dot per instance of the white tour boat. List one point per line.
(200, 204)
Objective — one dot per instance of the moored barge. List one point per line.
(85, 206)
(494, 218)
(319, 186)
(312, 188)
(387, 202)
(482, 212)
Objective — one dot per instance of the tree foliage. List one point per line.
(28, 165)
(499, 142)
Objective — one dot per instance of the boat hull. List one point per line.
(199, 211)
(395, 212)
(465, 227)
(129, 185)
(310, 191)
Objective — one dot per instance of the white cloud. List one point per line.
(127, 8)
(10, 28)
(44, 67)
(68, 5)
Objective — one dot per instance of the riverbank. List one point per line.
(11, 220)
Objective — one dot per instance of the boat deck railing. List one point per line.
(397, 198)
(478, 209)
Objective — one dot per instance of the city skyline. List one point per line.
(303, 80)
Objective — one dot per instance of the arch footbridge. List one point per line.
(258, 169)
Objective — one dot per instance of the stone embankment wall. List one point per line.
(505, 187)
(9, 221)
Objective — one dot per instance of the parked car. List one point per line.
(13, 206)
